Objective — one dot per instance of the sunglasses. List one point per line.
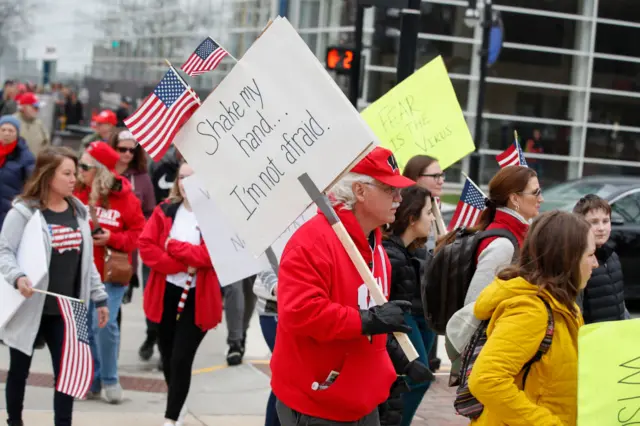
(122, 150)
(86, 167)
(536, 193)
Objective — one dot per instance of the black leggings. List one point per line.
(178, 342)
(52, 332)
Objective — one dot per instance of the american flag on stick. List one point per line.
(160, 116)
(76, 364)
(512, 156)
(471, 204)
(206, 57)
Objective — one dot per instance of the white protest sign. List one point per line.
(229, 255)
(32, 259)
(231, 258)
(277, 115)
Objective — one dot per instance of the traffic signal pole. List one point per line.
(487, 22)
(408, 40)
(354, 85)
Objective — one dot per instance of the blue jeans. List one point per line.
(422, 338)
(268, 324)
(105, 342)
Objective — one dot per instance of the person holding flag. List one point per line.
(71, 274)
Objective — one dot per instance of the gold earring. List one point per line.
(517, 207)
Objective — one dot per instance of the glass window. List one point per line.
(628, 207)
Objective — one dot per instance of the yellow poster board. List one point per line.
(609, 374)
(422, 115)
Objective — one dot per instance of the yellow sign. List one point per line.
(609, 374)
(422, 115)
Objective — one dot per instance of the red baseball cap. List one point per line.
(106, 116)
(28, 98)
(104, 154)
(381, 165)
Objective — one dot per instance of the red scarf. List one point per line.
(5, 150)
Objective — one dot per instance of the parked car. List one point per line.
(623, 194)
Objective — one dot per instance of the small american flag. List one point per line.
(206, 58)
(166, 109)
(469, 207)
(512, 156)
(76, 364)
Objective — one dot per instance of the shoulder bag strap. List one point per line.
(544, 345)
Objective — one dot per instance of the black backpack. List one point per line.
(449, 272)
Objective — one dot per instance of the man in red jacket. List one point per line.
(330, 363)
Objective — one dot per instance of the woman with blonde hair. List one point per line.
(117, 222)
(528, 306)
(183, 294)
(71, 272)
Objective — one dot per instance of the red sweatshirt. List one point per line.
(320, 293)
(176, 258)
(123, 218)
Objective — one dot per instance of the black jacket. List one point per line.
(406, 270)
(603, 298)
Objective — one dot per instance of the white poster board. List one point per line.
(277, 115)
(229, 254)
(32, 259)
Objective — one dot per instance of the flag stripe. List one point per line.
(76, 364)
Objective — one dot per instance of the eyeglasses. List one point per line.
(389, 190)
(436, 176)
(536, 193)
(86, 167)
(122, 150)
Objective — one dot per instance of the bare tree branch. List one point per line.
(14, 20)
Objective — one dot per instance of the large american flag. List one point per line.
(166, 109)
(206, 58)
(76, 364)
(512, 156)
(469, 207)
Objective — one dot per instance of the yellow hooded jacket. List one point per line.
(518, 323)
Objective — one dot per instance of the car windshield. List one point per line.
(565, 195)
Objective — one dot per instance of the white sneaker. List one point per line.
(113, 393)
(169, 424)
(182, 416)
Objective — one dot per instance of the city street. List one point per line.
(220, 395)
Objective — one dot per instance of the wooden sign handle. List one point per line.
(441, 229)
(354, 254)
(372, 285)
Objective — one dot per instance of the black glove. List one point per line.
(418, 372)
(386, 318)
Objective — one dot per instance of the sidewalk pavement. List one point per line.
(220, 395)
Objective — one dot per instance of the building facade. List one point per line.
(568, 68)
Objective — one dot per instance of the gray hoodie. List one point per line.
(21, 330)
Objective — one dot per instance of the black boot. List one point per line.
(146, 350)
(235, 353)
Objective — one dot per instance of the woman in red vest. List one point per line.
(182, 280)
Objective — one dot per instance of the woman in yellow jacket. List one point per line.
(556, 261)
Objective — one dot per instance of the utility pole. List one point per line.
(354, 85)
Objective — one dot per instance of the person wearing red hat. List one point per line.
(120, 223)
(32, 129)
(105, 124)
(330, 364)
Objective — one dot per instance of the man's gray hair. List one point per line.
(342, 191)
